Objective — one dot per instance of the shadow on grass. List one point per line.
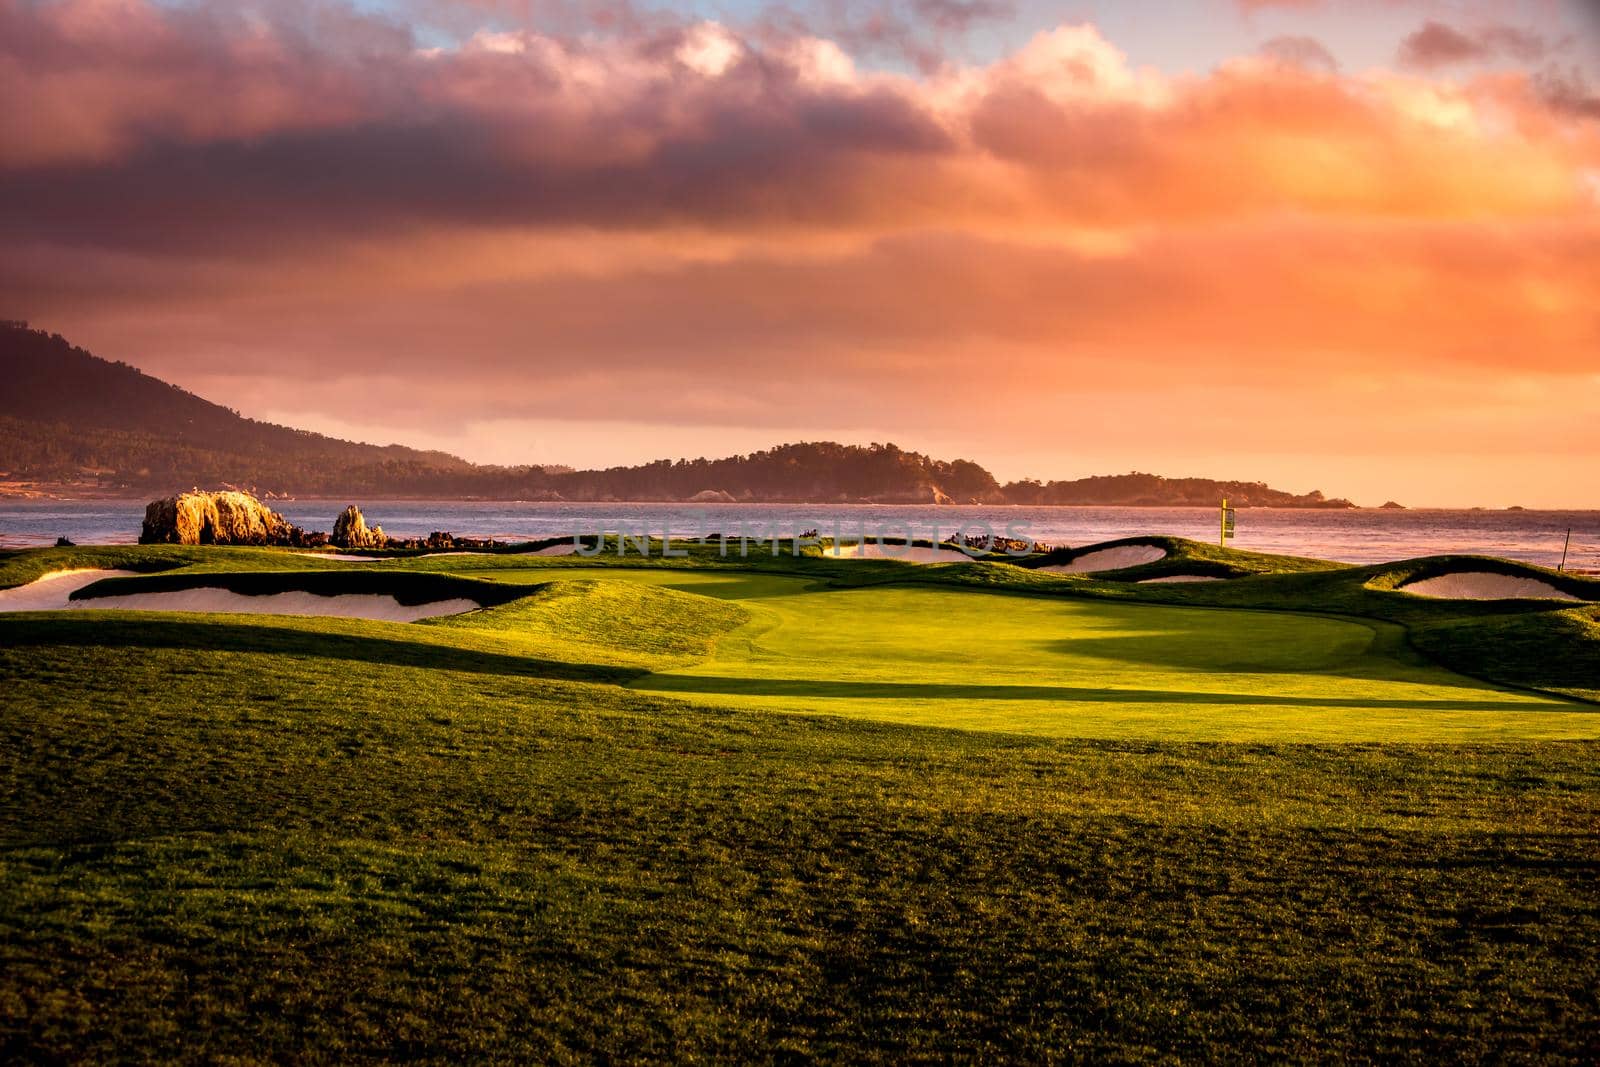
(812, 689)
(208, 636)
(1212, 652)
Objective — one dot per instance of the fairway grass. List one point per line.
(787, 813)
(946, 657)
(215, 854)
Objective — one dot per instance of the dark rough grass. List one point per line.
(24, 565)
(231, 851)
(1186, 557)
(1553, 650)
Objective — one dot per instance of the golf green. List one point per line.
(947, 657)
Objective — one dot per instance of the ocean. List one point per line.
(1359, 536)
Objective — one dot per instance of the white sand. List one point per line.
(904, 553)
(376, 606)
(50, 593)
(1180, 578)
(565, 548)
(1109, 559)
(1486, 585)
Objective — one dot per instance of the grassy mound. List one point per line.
(614, 622)
(1183, 556)
(1557, 651)
(25, 565)
(1397, 576)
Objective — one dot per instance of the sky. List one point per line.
(1351, 246)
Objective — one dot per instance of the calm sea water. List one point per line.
(1364, 536)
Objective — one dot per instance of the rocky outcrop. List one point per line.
(444, 540)
(234, 518)
(224, 518)
(350, 530)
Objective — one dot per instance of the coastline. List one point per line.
(80, 495)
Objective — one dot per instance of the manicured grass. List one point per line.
(1072, 657)
(221, 853)
(486, 837)
(1072, 668)
(602, 619)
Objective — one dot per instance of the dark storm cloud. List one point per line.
(1305, 52)
(1437, 44)
(184, 136)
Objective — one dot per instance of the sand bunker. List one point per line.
(904, 553)
(565, 548)
(1486, 585)
(1109, 559)
(51, 592)
(375, 606)
(1180, 578)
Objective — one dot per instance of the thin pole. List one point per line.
(1222, 525)
(1564, 548)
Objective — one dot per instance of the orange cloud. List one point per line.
(574, 224)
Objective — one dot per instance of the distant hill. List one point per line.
(1152, 490)
(71, 422)
(70, 417)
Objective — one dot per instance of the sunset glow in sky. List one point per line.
(1351, 246)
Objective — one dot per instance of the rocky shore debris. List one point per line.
(350, 530)
(231, 517)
